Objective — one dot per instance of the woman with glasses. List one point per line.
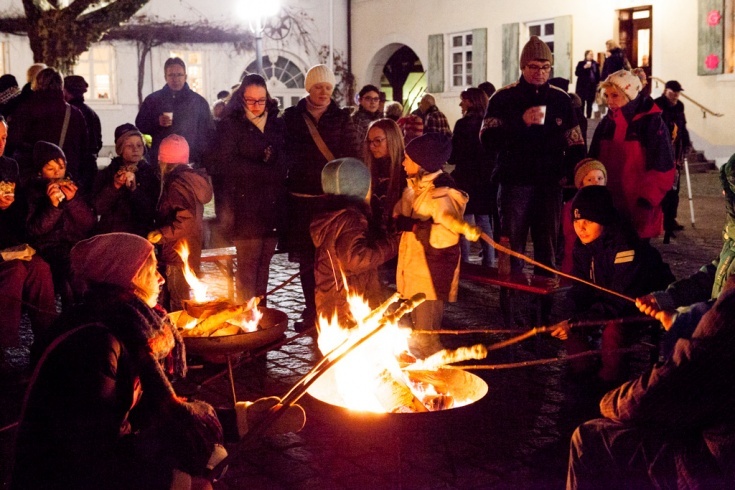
(383, 156)
(248, 151)
(473, 168)
(368, 110)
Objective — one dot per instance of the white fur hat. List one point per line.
(626, 81)
(319, 74)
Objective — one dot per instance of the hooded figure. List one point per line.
(345, 245)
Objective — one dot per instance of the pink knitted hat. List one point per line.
(112, 258)
(174, 150)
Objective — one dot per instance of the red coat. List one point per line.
(635, 146)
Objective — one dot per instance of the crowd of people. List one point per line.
(344, 193)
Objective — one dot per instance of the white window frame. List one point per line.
(463, 52)
(194, 69)
(544, 36)
(88, 66)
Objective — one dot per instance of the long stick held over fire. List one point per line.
(517, 255)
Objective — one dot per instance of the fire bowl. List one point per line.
(271, 327)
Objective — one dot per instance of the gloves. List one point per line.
(19, 252)
(251, 414)
(154, 237)
(561, 330)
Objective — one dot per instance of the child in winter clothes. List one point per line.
(179, 215)
(608, 253)
(345, 244)
(58, 216)
(430, 215)
(587, 172)
(125, 192)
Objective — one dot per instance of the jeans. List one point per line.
(253, 263)
(536, 208)
(488, 252)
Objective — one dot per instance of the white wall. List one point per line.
(378, 23)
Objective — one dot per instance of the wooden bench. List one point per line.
(224, 259)
(528, 283)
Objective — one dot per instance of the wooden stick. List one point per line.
(580, 324)
(517, 255)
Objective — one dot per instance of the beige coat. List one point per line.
(428, 258)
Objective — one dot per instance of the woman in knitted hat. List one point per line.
(318, 132)
(609, 253)
(100, 407)
(248, 156)
(126, 191)
(346, 241)
(636, 147)
(430, 216)
(58, 216)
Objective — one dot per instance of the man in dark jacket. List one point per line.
(673, 115)
(532, 128)
(176, 109)
(673, 426)
(75, 86)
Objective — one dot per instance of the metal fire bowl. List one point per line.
(465, 385)
(272, 325)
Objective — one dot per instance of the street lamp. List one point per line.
(256, 12)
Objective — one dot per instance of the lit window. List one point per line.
(544, 29)
(95, 66)
(285, 79)
(461, 59)
(194, 69)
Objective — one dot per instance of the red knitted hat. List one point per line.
(112, 258)
(174, 150)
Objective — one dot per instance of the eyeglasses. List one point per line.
(256, 102)
(376, 141)
(175, 75)
(533, 67)
(370, 99)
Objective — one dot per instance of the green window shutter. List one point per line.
(511, 53)
(435, 73)
(710, 52)
(563, 47)
(479, 56)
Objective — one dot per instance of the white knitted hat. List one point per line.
(319, 74)
(626, 81)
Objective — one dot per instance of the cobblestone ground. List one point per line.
(516, 437)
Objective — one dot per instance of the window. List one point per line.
(460, 54)
(194, 69)
(284, 78)
(544, 29)
(95, 66)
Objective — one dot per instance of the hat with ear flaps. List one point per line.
(346, 177)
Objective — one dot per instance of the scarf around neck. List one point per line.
(258, 121)
(315, 110)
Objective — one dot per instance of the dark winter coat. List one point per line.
(53, 231)
(192, 120)
(635, 146)
(344, 245)
(362, 119)
(12, 220)
(41, 118)
(587, 80)
(619, 261)
(305, 163)
(84, 393)
(253, 166)
(676, 121)
(615, 62)
(536, 154)
(180, 213)
(684, 406)
(94, 126)
(474, 167)
(130, 211)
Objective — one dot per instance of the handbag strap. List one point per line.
(318, 138)
(65, 126)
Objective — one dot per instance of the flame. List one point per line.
(249, 320)
(198, 288)
(361, 374)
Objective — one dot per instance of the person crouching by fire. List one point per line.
(100, 410)
(179, 215)
(344, 243)
(430, 216)
(58, 215)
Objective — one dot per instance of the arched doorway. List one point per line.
(400, 72)
(284, 78)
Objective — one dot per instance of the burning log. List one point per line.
(394, 395)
